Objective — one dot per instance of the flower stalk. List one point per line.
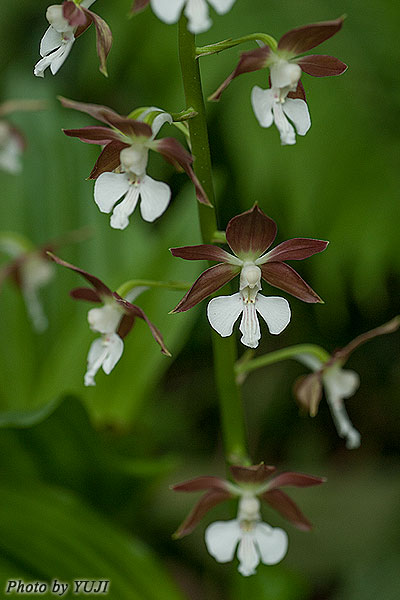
(225, 354)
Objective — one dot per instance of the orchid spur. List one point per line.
(255, 540)
(249, 236)
(67, 22)
(114, 320)
(127, 141)
(196, 11)
(339, 384)
(284, 102)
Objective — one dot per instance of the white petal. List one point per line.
(135, 292)
(275, 311)
(286, 130)
(105, 319)
(297, 111)
(87, 3)
(155, 197)
(223, 312)
(272, 543)
(108, 189)
(97, 354)
(196, 12)
(35, 310)
(221, 539)
(168, 11)
(262, 102)
(60, 56)
(10, 156)
(249, 326)
(247, 554)
(222, 6)
(341, 382)
(159, 120)
(51, 40)
(115, 348)
(122, 212)
(285, 75)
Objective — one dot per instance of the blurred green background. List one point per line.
(85, 472)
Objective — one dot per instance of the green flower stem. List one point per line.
(246, 366)
(226, 44)
(225, 355)
(126, 287)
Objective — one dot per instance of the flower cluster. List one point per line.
(67, 22)
(284, 102)
(196, 11)
(249, 236)
(339, 384)
(255, 540)
(114, 320)
(127, 142)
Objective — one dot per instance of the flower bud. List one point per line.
(55, 17)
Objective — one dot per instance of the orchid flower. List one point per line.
(255, 540)
(284, 103)
(339, 384)
(196, 11)
(249, 236)
(114, 320)
(67, 22)
(12, 145)
(127, 142)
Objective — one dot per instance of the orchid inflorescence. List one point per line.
(122, 182)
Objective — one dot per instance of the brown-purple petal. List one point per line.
(295, 480)
(201, 484)
(138, 6)
(93, 135)
(202, 252)
(281, 502)
(83, 293)
(125, 325)
(389, 327)
(208, 501)
(103, 38)
(248, 62)
(136, 311)
(73, 14)
(251, 232)
(108, 159)
(176, 154)
(97, 111)
(299, 93)
(308, 392)
(320, 65)
(98, 285)
(131, 127)
(252, 474)
(285, 278)
(304, 38)
(206, 284)
(296, 249)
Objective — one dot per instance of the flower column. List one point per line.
(225, 354)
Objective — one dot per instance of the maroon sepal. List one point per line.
(320, 65)
(294, 480)
(131, 127)
(201, 484)
(98, 285)
(97, 111)
(287, 508)
(176, 154)
(251, 232)
(302, 39)
(344, 353)
(254, 474)
(248, 62)
(93, 135)
(103, 38)
(201, 252)
(73, 14)
(206, 284)
(299, 93)
(136, 311)
(308, 392)
(138, 6)
(208, 501)
(84, 293)
(125, 325)
(296, 249)
(282, 276)
(108, 159)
